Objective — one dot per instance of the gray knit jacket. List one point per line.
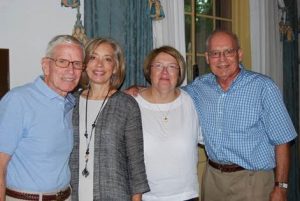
(119, 169)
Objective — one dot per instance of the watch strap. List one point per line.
(283, 185)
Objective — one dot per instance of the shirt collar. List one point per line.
(240, 75)
(237, 78)
(47, 91)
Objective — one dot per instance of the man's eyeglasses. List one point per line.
(171, 68)
(64, 63)
(226, 53)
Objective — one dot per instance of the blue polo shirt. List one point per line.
(36, 131)
(243, 124)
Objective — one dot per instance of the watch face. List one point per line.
(281, 185)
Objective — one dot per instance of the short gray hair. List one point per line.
(62, 39)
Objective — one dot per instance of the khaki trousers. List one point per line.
(236, 186)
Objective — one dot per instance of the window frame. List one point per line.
(239, 25)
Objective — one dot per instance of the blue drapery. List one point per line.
(128, 23)
(291, 94)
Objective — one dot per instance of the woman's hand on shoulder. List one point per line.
(133, 90)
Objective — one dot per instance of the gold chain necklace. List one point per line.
(165, 114)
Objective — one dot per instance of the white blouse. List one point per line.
(85, 188)
(171, 134)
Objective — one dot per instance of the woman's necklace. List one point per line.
(85, 171)
(164, 114)
(163, 119)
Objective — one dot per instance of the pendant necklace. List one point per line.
(164, 119)
(165, 114)
(85, 171)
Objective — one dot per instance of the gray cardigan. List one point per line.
(119, 169)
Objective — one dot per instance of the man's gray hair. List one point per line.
(62, 39)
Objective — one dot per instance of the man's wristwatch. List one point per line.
(281, 185)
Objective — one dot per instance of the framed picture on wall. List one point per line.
(4, 71)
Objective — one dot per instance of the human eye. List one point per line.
(214, 54)
(77, 64)
(229, 52)
(108, 59)
(173, 66)
(62, 63)
(156, 65)
(92, 57)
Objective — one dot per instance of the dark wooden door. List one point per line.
(4, 71)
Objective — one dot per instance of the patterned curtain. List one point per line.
(129, 23)
(289, 37)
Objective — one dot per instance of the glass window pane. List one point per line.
(204, 7)
(187, 6)
(205, 15)
(188, 33)
(221, 24)
(204, 26)
(223, 8)
(189, 65)
(203, 67)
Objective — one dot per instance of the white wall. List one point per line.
(25, 29)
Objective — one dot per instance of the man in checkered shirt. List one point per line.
(245, 125)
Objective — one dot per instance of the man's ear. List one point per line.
(45, 62)
(240, 54)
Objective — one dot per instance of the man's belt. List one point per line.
(59, 196)
(225, 168)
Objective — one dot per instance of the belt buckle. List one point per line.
(60, 196)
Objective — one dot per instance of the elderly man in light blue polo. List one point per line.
(36, 134)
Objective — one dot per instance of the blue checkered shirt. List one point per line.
(243, 124)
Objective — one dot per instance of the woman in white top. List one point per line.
(170, 128)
